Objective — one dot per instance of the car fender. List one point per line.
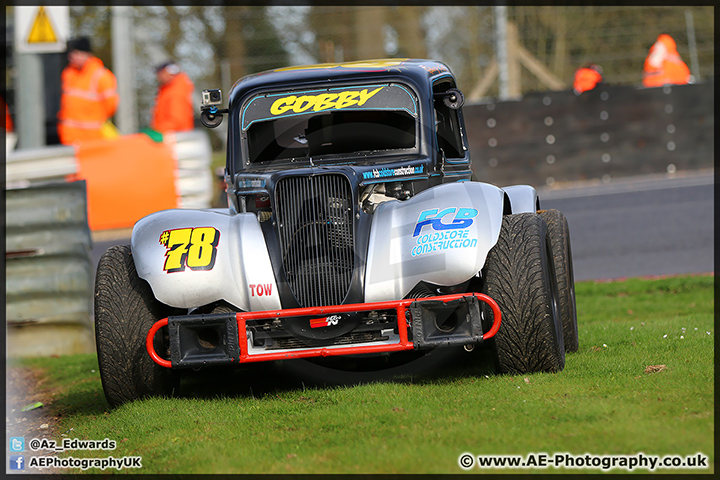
(192, 258)
(441, 235)
(523, 198)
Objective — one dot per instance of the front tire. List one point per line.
(518, 275)
(559, 238)
(125, 309)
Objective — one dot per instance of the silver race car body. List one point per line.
(354, 225)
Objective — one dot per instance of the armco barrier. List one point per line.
(605, 133)
(48, 281)
(25, 167)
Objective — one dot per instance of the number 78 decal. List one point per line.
(192, 247)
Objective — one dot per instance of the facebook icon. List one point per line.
(17, 462)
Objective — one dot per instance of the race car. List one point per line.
(354, 228)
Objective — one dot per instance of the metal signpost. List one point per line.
(38, 29)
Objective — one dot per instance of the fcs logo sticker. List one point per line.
(195, 248)
(463, 218)
(330, 321)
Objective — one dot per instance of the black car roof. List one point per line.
(419, 72)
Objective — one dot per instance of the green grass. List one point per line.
(217, 160)
(256, 419)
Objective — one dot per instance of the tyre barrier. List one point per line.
(191, 150)
(610, 132)
(193, 153)
(48, 269)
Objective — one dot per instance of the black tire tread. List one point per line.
(517, 277)
(125, 309)
(559, 236)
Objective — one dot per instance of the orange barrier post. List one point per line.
(127, 179)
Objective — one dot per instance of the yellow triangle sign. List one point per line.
(42, 29)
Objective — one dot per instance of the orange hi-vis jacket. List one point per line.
(8, 119)
(173, 111)
(586, 79)
(663, 65)
(89, 99)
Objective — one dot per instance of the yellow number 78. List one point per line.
(192, 247)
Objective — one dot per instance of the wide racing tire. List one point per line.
(125, 309)
(518, 275)
(559, 237)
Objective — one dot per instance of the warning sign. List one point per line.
(41, 29)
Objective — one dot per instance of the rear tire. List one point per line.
(125, 309)
(518, 275)
(559, 237)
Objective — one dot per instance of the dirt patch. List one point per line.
(26, 386)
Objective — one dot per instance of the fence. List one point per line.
(217, 45)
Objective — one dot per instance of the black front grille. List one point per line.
(315, 227)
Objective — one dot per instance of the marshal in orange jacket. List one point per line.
(663, 65)
(173, 111)
(89, 99)
(586, 78)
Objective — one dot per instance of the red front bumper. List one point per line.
(243, 354)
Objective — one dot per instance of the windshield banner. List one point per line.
(368, 97)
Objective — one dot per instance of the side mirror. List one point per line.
(210, 114)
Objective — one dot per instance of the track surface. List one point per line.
(641, 226)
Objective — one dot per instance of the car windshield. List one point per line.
(335, 121)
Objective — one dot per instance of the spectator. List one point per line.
(89, 95)
(173, 110)
(587, 78)
(663, 64)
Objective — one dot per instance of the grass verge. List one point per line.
(641, 382)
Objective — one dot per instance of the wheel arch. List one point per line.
(447, 249)
(522, 198)
(239, 262)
